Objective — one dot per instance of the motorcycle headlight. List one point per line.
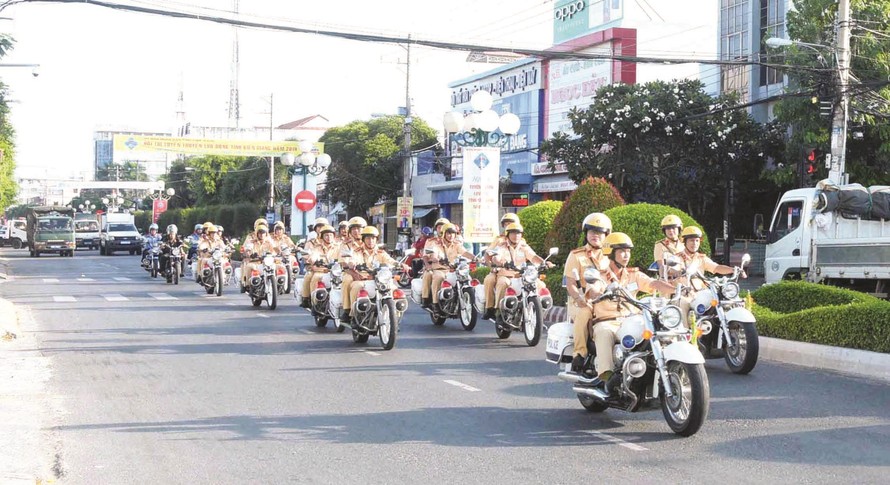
(670, 316)
(530, 275)
(384, 276)
(269, 260)
(463, 270)
(217, 254)
(177, 252)
(336, 270)
(730, 290)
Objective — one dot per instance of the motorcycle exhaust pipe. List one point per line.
(705, 327)
(401, 305)
(591, 392)
(509, 303)
(362, 305)
(576, 378)
(446, 294)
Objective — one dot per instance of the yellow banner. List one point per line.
(197, 146)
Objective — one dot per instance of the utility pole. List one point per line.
(839, 124)
(406, 164)
(271, 159)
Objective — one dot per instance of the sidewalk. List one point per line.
(860, 363)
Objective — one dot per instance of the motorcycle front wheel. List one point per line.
(175, 273)
(468, 313)
(500, 328)
(256, 301)
(154, 270)
(592, 404)
(387, 324)
(532, 329)
(321, 321)
(687, 408)
(359, 337)
(271, 293)
(218, 283)
(742, 357)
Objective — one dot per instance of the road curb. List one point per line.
(9, 322)
(861, 363)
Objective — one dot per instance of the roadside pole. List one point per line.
(839, 124)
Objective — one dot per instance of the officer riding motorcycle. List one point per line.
(151, 250)
(671, 245)
(490, 280)
(172, 248)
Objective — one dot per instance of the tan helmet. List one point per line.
(670, 221)
(320, 221)
(509, 217)
(357, 221)
(691, 231)
(440, 221)
(370, 231)
(259, 222)
(343, 224)
(616, 240)
(326, 228)
(447, 227)
(207, 225)
(278, 224)
(209, 229)
(262, 227)
(598, 222)
(514, 227)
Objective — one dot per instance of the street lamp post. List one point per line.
(305, 164)
(159, 202)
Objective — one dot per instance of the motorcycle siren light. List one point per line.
(474, 282)
(280, 271)
(320, 285)
(254, 272)
(363, 293)
(446, 284)
(398, 294)
(544, 292)
(511, 292)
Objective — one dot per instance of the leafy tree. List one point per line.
(669, 143)
(367, 165)
(593, 195)
(8, 186)
(813, 21)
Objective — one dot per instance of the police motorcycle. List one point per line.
(173, 268)
(216, 271)
(656, 366)
(522, 307)
(151, 261)
(718, 314)
(378, 309)
(292, 269)
(326, 300)
(405, 277)
(263, 283)
(457, 296)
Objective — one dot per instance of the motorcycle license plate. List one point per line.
(125, 242)
(553, 345)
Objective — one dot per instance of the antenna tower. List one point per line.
(234, 101)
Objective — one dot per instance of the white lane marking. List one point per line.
(115, 297)
(232, 304)
(85, 279)
(617, 441)
(307, 332)
(162, 296)
(461, 385)
(122, 278)
(377, 354)
(50, 280)
(64, 299)
(263, 315)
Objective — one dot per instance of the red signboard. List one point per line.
(158, 207)
(305, 200)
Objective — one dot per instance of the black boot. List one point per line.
(578, 364)
(427, 302)
(305, 303)
(344, 317)
(489, 314)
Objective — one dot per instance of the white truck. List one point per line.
(815, 237)
(118, 233)
(14, 233)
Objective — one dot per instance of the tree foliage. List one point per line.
(668, 143)
(8, 186)
(813, 74)
(367, 165)
(592, 195)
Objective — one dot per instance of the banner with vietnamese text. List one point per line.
(197, 146)
(480, 193)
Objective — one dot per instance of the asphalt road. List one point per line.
(155, 383)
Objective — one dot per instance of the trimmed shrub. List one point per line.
(142, 219)
(537, 220)
(642, 222)
(821, 314)
(592, 195)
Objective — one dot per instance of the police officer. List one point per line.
(669, 246)
(151, 240)
(511, 255)
(432, 246)
(170, 240)
(690, 254)
(492, 277)
(363, 259)
(446, 253)
(617, 248)
(595, 227)
(352, 245)
(193, 240)
(324, 252)
(342, 231)
(255, 246)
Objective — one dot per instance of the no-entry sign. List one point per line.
(305, 200)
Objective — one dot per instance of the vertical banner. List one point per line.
(480, 193)
(299, 219)
(158, 207)
(404, 212)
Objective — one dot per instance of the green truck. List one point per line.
(50, 230)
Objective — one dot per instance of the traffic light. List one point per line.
(808, 169)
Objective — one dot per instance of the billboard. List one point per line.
(574, 18)
(573, 84)
(195, 146)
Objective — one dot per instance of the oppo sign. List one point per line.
(568, 11)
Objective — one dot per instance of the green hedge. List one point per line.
(537, 219)
(820, 314)
(237, 219)
(642, 222)
(593, 195)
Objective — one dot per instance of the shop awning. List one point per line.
(421, 212)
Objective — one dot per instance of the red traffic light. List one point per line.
(811, 155)
(811, 168)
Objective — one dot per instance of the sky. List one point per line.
(108, 69)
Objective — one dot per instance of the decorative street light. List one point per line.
(308, 162)
(482, 126)
(159, 202)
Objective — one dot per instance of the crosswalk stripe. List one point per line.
(162, 296)
(122, 278)
(50, 280)
(85, 279)
(64, 299)
(115, 297)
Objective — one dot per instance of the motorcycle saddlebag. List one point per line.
(560, 342)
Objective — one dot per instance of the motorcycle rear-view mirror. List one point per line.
(553, 251)
(592, 275)
(410, 252)
(235, 241)
(746, 259)
(671, 261)
(653, 268)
